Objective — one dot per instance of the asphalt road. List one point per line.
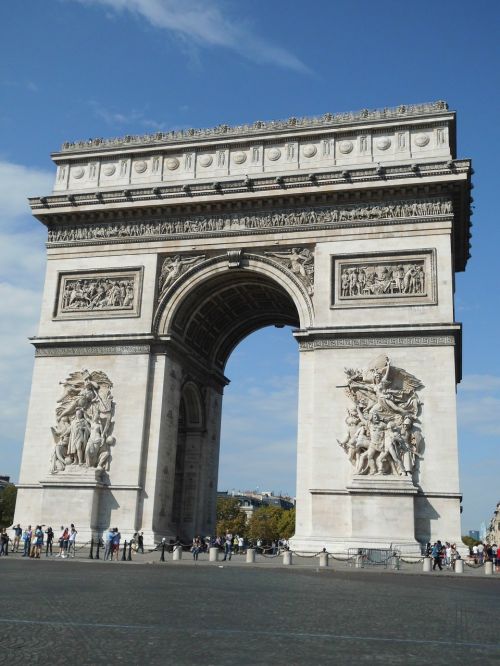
(86, 613)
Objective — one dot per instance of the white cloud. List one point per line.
(479, 383)
(22, 265)
(205, 23)
(133, 117)
(17, 183)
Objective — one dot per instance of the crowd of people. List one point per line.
(445, 555)
(33, 542)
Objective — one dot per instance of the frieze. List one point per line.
(405, 278)
(300, 261)
(252, 221)
(356, 342)
(99, 294)
(402, 111)
(98, 350)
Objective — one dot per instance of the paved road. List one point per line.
(86, 613)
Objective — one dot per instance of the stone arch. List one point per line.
(218, 302)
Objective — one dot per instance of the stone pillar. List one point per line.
(250, 555)
(427, 564)
(287, 557)
(213, 554)
(459, 566)
(177, 555)
(488, 568)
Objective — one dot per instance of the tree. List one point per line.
(230, 518)
(470, 541)
(7, 505)
(271, 523)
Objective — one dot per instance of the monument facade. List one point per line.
(164, 251)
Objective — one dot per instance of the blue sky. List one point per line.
(73, 69)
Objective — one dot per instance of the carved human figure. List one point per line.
(390, 454)
(300, 261)
(94, 442)
(79, 434)
(172, 269)
(376, 429)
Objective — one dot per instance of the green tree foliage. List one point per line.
(230, 518)
(469, 541)
(7, 505)
(271, 523)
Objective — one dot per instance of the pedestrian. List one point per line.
(116, 543)
(4, 542)
(108, 547)
(17, 537)
(436, 554)
(50, 538)
(140, 542)
(196, 547)
(228, 547)
(241, 545)
(480, 552)
(26, 541)
(72, 540)
(61, 541)
(38, 545)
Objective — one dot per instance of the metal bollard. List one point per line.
(162, 556)
(459, 566)
(124, 552)
(427, 564)
(97, 549)
(129, 556)
(488, 568)
(287, 557)
(213, 554)
(323, 559)
(250, 555)
(177, 553)
(91, 554)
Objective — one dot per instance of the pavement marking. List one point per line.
(284, 634)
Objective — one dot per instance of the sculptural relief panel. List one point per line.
(99, 294)
(383, 432)
(83, 433)
(407, 278)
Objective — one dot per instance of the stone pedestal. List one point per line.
(287, 557)
(177, 553)
(427, 564)
(73, 496)
(382, 511)
(213, 554)
(488, 568)
(459, 566)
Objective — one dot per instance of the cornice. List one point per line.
(273, 185)
(258, 128)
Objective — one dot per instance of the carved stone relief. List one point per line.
(172, 268)
(396, 279)
(382, 433)
(84, 424)
(300, 261)
(251, 221)
(99, 294)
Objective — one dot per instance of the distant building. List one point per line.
(482, 532)
(474, 534)
(249, 500)
(493, 533)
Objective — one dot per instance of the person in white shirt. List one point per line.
(72, 541)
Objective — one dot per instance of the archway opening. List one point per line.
(209, 322)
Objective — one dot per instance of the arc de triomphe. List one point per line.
(164, 251)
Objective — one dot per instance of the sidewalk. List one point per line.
(336, 562)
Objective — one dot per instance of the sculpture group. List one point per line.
(83, 432)
(98, 294)
(385, 279)
(383, 437)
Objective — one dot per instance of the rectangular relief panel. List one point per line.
(384, 279)
(99, 294)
